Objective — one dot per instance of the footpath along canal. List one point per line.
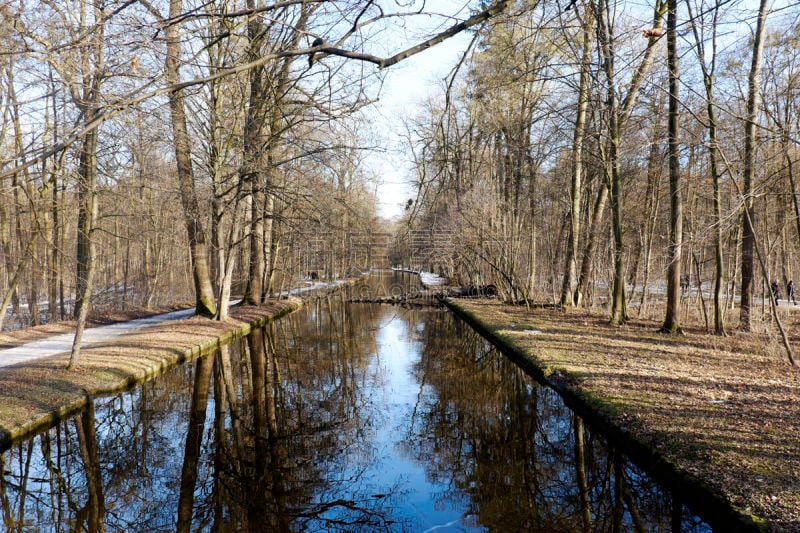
(348, 417)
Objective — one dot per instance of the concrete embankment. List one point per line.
(36, 394)
(596, 375)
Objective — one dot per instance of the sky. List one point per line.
(406, 87)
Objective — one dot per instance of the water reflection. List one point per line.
(336, 418)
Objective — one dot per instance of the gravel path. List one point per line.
(63, 343)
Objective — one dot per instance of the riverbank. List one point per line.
(35, 394)
(701, 411)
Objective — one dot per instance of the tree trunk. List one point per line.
(226, 263)
(86, 201)
(253, 172)
(611, 163)
(719, 261)
(590, 248)
(198, 244)
(87, 218)
(748, 237)
(255, 268)
(671, 318)
(568, 293)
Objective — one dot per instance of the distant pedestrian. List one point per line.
(685, 284)
(776, 294)
(790, 292)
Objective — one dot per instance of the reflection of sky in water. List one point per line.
(396, 392)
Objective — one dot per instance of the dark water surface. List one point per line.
(340, 417)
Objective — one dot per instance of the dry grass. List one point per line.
(724, 409)
(34, 394)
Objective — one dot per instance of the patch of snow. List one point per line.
(431, 279)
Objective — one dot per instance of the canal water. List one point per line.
(340, 417)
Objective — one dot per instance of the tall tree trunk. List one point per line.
(532, 280)
(671, 318)
(253, 170)
(87, 217)
(590, 248)
(255, 268)
(226, 264)
(92, 68)
(753, 103)
(719, 261)
(611, 161)
(568, 294)
(198, 245)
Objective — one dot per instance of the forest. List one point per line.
(635, 155)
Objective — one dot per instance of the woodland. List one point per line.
(616, 153)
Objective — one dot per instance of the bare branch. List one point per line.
(132, 99)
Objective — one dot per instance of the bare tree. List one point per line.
(709, 70)
(748, 174)
(569, 293)
(204, 302)
(671, 319)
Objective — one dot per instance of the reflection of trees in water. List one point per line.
(100, 470)
(275, 449)
(91, 514)
(502, 443)
(285, 443)
(291, 415)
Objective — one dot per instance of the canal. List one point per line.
(340, 417)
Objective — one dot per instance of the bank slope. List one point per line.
(718, 417)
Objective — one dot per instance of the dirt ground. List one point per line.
(725, 409)
(35, 393)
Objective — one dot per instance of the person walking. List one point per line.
(790, 292)
(775, 291)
